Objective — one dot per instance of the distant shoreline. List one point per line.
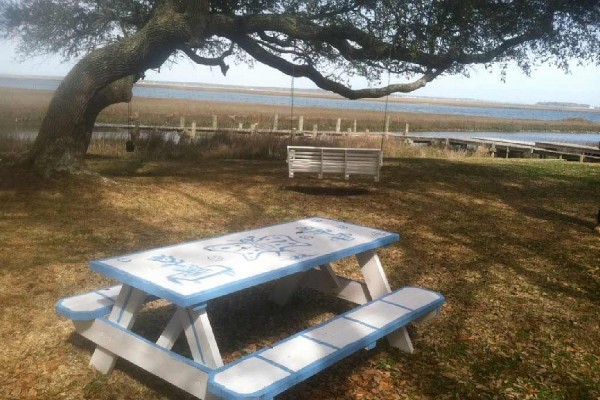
(25, 109)
(318, 93)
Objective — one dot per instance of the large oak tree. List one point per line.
(326, 41)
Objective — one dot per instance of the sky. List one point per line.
(545, 84)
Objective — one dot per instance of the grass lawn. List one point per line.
(508, 242)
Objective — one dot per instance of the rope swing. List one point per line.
(292, 107)
(129, 145)
(385, 112)
(292, 98)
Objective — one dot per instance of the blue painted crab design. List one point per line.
(252, 247)
(310, 230)
(185, 272)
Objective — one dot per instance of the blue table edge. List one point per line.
(209, 294)
(313, 368)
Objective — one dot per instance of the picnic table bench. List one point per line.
(189, 275)
(334, 160)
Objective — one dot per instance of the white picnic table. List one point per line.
(190, 275)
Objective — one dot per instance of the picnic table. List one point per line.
(190, 275)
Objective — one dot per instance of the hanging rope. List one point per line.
(129, 145)
(387, 98)
(292, 88)
(292, 106)
(385, 112)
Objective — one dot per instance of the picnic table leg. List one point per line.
(333, 280)
(378, 285)
(373, 273)
(200, 336)
(169, 336)
(124, 312)
(285, 288)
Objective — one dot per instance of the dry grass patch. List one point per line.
(508, 242)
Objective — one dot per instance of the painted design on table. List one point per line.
(185, 272)
(378, 234)
(252, 247)
(310, 230)
(300, 256)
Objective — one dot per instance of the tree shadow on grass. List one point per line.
(208, 170)
(491, 206)
(328, 191)
(242, 322)
(468, 231)
(513, 224)
(545, 213)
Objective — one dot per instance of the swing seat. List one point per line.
(334, 160)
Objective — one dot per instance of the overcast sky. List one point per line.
(545, 84)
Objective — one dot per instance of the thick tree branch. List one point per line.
(338, 36)
(274, 40)
(368, 47)
(308, 71)
(216, 61)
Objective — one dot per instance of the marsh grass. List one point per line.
(263, 146)
(11, 146)
(24, 109)
(260, 147)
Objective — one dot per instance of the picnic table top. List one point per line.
(192, 273)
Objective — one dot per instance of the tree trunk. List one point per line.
(120, 91)
(97, 81)
(65, 153)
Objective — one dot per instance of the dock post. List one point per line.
(193, 134)
(354, 126)
(493, 150)
(581, 157)
(276, 122)
(406, 129)
(301, 124)
(507, 151)
(315, 130)
(182, 123)
(338, 125)
(240, 126)
(214, 122)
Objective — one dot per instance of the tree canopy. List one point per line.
(326, 41)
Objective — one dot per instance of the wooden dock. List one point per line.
(508, 148)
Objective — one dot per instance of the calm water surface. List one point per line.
(316, 102)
